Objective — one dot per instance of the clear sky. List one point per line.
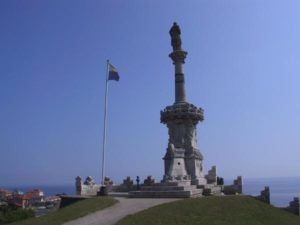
(242, 68)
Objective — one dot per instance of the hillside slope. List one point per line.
(225, 210)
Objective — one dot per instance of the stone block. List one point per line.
(211, 177)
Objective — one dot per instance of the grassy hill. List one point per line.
(71, 212)
(226, 210)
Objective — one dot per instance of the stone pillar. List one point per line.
(178, 56)
(78, 185)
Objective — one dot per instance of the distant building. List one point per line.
(26, 200)
(18, 200)
(35, 196)
(4, 194)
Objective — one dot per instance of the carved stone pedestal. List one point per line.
(183, 160)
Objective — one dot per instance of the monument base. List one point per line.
(167, 190)
(211, 189)
(199, 181)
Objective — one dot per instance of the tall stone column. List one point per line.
(178, 56)
(183, 160)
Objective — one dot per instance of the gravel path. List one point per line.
(113, 214)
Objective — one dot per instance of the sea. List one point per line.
(282, 190)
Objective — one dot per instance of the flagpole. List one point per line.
(104, 126)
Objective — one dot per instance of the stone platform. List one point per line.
(211, 189)
(167, 190)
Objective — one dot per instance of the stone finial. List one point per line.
(149, 181)
(175, 37)
(78, 179)
(128, 182)
(89, 181)
(108, 181)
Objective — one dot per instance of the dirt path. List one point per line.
(113, 214)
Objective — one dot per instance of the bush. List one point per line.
(10, 214)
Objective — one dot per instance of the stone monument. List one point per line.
(183, 173)
(183, 159)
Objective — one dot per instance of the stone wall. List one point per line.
(264, 195)
(86, 188)
(294, 206)
(235, 188)
(126, 186)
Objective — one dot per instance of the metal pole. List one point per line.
(104, 128)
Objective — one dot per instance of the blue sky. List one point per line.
(242, 68)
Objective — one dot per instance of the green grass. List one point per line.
(225, 210)
(76, 210)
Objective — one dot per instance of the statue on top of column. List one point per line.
(175, 37)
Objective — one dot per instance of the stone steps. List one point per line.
(180, 189)
(168, 188)
(172, 184)
(211, 189)
(166, 194)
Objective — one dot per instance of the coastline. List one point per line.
(283, 189)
